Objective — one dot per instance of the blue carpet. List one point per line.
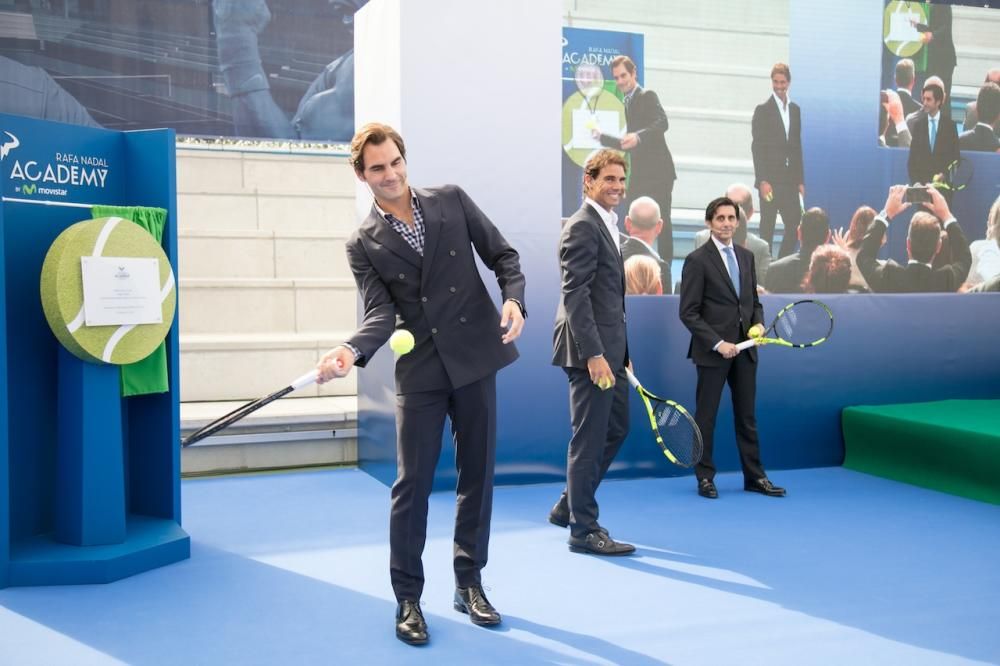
(293, 569)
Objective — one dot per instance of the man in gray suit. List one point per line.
(413, 259)
(589, 343)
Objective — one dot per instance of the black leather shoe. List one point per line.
(473, 602)
(559, 515)
(763, 486)
(410, 625)
(706, 488)
(599, 542)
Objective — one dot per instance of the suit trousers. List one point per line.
(419, 425)
(600, 421)
(741, 374)
(786, 201)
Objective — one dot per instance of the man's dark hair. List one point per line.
(815, 228)
(988, 103)
(625, 61)
(904, 73)
(715, 204)
(925, 232)
(936, 90)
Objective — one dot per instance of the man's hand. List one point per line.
(511, 316)
(839, 238)
(335, 363)
(894, 204)
(630, 141)
(766, 191)
(600, 373)
(938, 205)
(728, 350)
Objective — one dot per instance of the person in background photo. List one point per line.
(983, 137)
(651, 169)
(934, 143)
(776, 145)
(829, 271)
(785, 275)
(850, 243)
(642, 276)
(643, 225)
(986, 252)
(971, 109)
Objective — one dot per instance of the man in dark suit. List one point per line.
(643, 225)
(777, 160)
(983, 136)
(923, 242)
(652, 166)
(934, 139)
(590, 345)
(785, 275)
(905, 78)
(937, 38)
(719, 305)
(413, 259)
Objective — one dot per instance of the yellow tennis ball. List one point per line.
(401, 342)
(756, 331)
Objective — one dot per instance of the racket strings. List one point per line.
(680, 434)
(804, 323)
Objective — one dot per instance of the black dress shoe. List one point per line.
(763, 486)
(473, 602)
(599, 542)
(559, 515)
(706, 488)
(410, 625)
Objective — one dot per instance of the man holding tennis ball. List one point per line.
(591, 346)
(414, 257)
(718, 304)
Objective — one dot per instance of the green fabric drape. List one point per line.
(150, 374)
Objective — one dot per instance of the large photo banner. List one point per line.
(592, 103)
(254, 69)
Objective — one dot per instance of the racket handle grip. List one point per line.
(304, 380)
(746, 344)
(631, 378)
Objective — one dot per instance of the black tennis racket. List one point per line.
(800, 324)
(247, 409)
(673, 426)
(956, 177)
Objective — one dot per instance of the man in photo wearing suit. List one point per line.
(590, 345)
(652, 166)
(719, 305)
(934, 139)
(983, 136)
(413, 259)
(905, 78)
(777, 160)
(923, 242)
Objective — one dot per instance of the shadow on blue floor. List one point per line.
(292, 568)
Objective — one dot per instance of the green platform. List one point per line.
(952, 445)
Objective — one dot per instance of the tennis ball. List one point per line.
(62, 291)
(756, 331)
(401, 342)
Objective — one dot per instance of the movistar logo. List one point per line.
(8, 146)
(30, 188)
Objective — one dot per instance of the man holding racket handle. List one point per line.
(719, 305)
(414, 259)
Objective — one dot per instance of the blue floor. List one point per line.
(292, 569)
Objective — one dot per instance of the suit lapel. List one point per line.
(606, 235)
(385, 236)
(430, 207)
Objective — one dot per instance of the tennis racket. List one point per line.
(673, 426)
(800, 324)
(590, 82)
(956, 177)
(247, 409)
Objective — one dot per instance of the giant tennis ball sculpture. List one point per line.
(62, 291)
(401, 342)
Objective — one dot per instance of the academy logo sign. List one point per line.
(57, 176)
